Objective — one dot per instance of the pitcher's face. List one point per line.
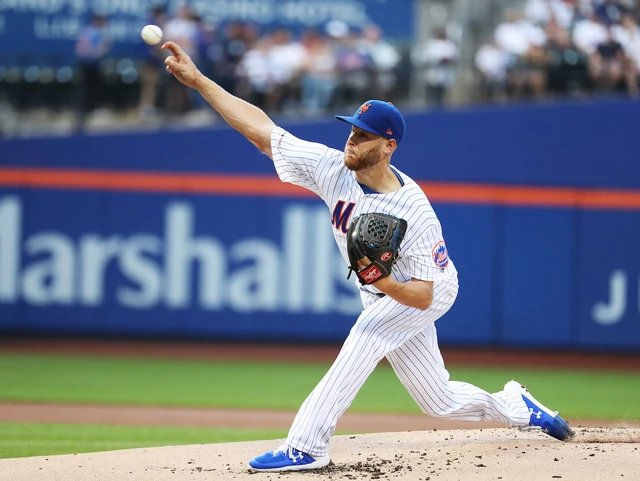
(363, 150)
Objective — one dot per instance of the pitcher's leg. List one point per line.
(380, 328)
(420, 367)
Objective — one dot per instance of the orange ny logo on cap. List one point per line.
(364, 108)
(389, 132)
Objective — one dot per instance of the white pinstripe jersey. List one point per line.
(423, 252)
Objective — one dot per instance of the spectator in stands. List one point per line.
(567, 67)
(227, 54)
(286, 59)
(517, 36)
(436, 60)
(385, 58)
(355, 68)
(541, 12)
(152, 69)
(204, 37)
(91, 48)
(492, 64)
(634, 10)
(588, 33)
(254, 72)
(610, 12)
(608, 64)
(184, 30)
(628, 35)
(524, 42)
(584, 8)
(319, 74)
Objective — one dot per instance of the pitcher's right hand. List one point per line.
(181, 65)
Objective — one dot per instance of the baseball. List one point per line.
(151, 34)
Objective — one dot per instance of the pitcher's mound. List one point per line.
(479, 454)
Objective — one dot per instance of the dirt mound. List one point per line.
(479, 454)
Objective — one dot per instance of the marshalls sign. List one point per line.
(175, 267)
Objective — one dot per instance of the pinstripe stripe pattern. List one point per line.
(386, 328)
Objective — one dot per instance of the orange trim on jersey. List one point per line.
(270, 186)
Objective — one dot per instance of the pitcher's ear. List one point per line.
(392, 144)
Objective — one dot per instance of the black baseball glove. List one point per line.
(373, 242)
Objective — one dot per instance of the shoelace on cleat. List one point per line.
(288, 451)
(282, 449)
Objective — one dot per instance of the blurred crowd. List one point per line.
(274, 70)
(537, 49)
(544, 48)
(560, 48)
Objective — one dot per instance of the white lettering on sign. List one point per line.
(259, 11)
(185, 253)
(137, 8)
(49, 279)
(176, 267)
(614, 309)
(10, 235)
(305, 12)
(60, 27)
(136, 263)
(38, 6)
(64, 27)
(316, 12)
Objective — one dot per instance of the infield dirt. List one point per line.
(487, 454)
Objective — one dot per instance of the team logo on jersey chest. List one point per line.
(341, 214)
(440, 255)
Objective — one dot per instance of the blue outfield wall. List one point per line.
(237, 267)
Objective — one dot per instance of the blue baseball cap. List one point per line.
(378, 117)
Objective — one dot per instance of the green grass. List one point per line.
(52, 378)
(157, 382)
(22, 439)
(268, 385)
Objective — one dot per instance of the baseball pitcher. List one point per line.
(392, 241)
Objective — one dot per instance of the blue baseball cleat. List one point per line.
(286, 458)
(542, 417)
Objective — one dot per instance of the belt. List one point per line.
(377, 294)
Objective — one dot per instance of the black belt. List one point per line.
(381, 295)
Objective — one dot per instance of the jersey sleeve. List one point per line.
(297, 161)
(428, 256)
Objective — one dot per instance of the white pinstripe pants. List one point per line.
(407, 337)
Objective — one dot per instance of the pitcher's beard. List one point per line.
(363, 161)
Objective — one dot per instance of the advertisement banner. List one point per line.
(198, 266)
(127, 263)
(40, 28)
